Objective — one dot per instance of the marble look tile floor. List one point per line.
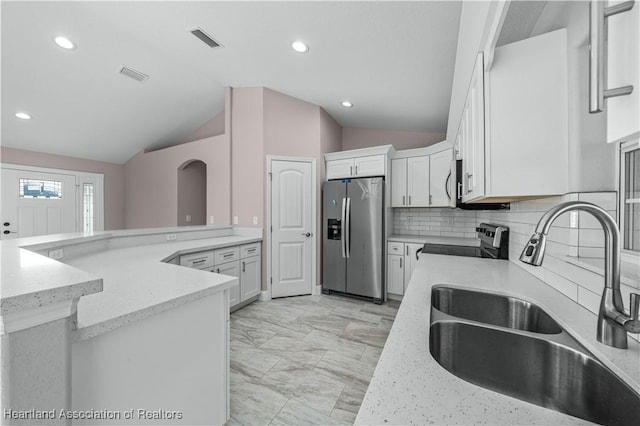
(304, 360)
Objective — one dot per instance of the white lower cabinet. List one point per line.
(250, 277)
(401, 261)
(231, 269)
(410, 260)
(395, 274)
(242, 262)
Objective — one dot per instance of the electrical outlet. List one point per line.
(212, 220)
(171, 237)
(188, 218)
(255, 220)
(235, 220)
(56, 254)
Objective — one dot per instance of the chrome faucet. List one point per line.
(613, 322)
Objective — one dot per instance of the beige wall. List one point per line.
(213, 127)
(247, 156)
(113, 177)
(355, 138)
(151, 193)
(192, 194)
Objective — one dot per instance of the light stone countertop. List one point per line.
(137, 284)
(410, 387)
(424, 239)
(116, 285)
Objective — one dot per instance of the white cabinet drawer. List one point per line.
(394, 247)
(226, 255)
(199, 260)
(249, 250)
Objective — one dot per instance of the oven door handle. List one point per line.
(418, 252)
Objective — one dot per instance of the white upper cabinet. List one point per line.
(339, 168)
(358, 163)
(399, 182)
(623, 69)
(514, 133)
(372, 165)
(418, 181)
(440, 179)
(421, 180)
(472, 136)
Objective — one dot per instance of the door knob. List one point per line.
(307, 234)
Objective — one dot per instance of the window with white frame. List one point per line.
(630, 196)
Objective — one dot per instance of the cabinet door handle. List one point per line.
(597, 92)
(195, 262)
(407, 249)
(218, 270)
(469, 175)
(400, 263)
(243, 267)
(251, 250)
(350, 170)
(356, 170)
(403, 200)
(227, 255)
(430, 198)
(409, 199)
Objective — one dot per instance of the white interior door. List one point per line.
(36, 203)
(292, 224)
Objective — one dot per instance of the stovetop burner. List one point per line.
(494, 244)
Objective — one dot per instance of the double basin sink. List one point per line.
(513, 347)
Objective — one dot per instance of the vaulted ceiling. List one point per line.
(393, 60)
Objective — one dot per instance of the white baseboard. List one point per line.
(394, 296)
(317, 290)
(264, 296)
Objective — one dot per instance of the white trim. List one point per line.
(317, 290)
(265, 295)
(314, 218)
(623, 149)
(27, 318)
(361, 152)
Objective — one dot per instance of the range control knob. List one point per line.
(490, 234)
(478, 229)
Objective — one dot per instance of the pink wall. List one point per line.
(355, 138)
(247, 156)
(192, 194)
(113, 177)
(213, 127)
(151, 193)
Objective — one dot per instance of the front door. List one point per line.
(292, 224)
(36, 203)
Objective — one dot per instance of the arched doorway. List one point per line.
(192, 193)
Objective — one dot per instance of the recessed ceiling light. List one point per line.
(64, 42)
(299, 46)
(23, 116)
(346, 104)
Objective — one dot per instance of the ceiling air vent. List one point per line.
(206, 38)
(136, 75)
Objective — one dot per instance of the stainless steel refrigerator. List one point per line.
(353, 243)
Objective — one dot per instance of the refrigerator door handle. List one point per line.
(344, 228)
(348, 230)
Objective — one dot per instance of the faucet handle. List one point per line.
(634, 306)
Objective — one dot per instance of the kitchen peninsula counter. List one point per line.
(410, 387)
(121, 279)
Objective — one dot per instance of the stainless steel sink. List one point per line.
(513, 347)
(489, 308)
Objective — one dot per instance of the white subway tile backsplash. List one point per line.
(589, 300)
(571, 234)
